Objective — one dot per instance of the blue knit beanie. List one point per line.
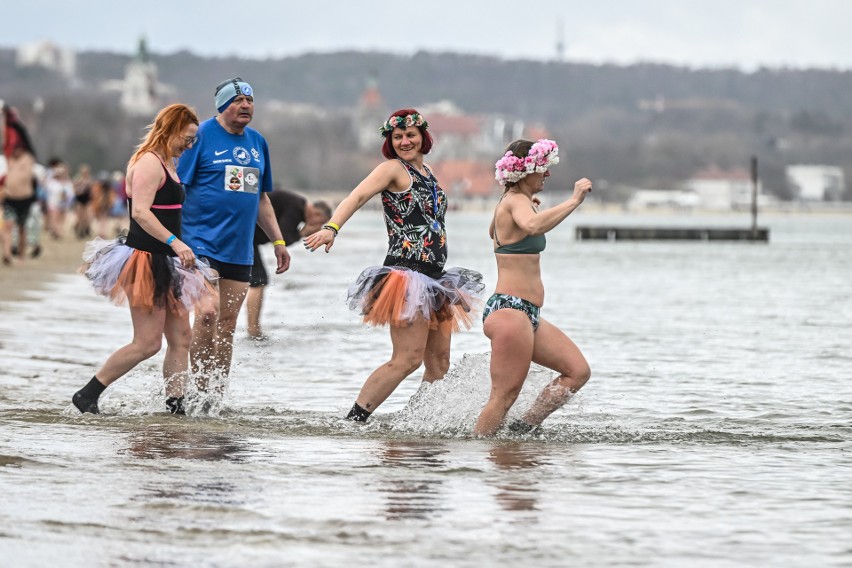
(228, 90)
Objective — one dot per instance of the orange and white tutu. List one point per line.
(394, 295)
(142, 279)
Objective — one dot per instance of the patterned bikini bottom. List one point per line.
(502, 301)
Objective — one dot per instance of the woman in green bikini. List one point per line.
(518, 334)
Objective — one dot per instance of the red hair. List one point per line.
(169, 122)
(15, 138)
(387, 148)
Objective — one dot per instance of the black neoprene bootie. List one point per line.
(175, 405)
(358, 414)
(84, 404)
(86, 399)
(518, 426)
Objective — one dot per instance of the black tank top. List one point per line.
(167, 209)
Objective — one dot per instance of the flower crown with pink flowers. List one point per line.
(403, 122)
(512, 169)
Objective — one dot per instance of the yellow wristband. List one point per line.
(279, 242)
(335, 225)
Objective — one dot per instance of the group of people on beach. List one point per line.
(197, 193)
(36, 198)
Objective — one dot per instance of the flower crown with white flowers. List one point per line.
(512, 169)
(403, 122)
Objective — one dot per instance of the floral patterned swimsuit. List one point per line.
(412, 283)
(417, 237)
(502, 301)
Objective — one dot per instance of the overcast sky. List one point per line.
(697, 33)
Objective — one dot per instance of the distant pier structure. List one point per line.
(615, 233)
(621, 233)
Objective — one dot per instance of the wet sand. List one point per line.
(58, 257)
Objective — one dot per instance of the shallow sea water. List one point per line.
(716, 429)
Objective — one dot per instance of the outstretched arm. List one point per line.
(383, 177)
(537, 223)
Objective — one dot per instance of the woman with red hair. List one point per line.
(151, 269)
(410, 292)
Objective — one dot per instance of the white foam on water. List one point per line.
(451, 406)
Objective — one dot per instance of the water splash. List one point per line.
(451, 407)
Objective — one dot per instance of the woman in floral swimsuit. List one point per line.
(511, 319)
(411, 292)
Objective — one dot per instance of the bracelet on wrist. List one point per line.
(331, 227)
(170, 240)
(279, 242)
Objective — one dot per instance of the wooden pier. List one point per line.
(751, 234)
(615, 233)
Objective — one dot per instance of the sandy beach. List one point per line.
(57, 257)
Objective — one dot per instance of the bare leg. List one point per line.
(254, 305)
(62, 222)
(54, 223)
(178, 334)
(555, 350)
(232, 296)
(436, 358)
(202, 348)
(147, 340)
(512, 340)
(8, 225)
(81, 228)
(409, 344)
(22, 242)
(213, 332)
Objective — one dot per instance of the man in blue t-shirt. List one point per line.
(227, 174)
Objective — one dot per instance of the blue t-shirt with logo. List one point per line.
(224, 175)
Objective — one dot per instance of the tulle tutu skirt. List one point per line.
(141, 279)
(392, 295)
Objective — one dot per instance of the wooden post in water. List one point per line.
(754, 197)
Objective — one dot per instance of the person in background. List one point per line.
(59, 192)
(103, 199)
(36, 218)
(82, 198)
(19, 183)
(512, 316)
(297, 217)
(411, 292)
(151, 269)
(228, 176)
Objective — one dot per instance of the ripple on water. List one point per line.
(692, 429)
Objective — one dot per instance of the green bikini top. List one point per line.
(531, 244)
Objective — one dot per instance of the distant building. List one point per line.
(816, 182)
(663, 199)
(369, 115)
(467, 178)
(722, 190)
(49, 56)
(139, 92)
(466, 146)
